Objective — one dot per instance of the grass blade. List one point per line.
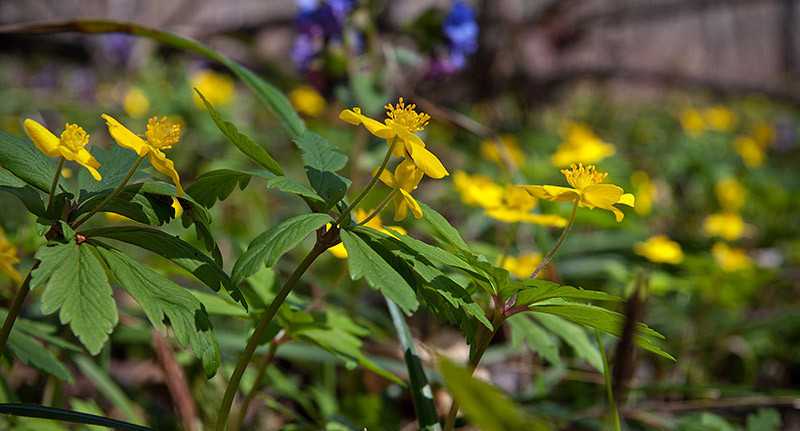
(42, 412)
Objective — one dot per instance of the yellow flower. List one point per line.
(71, 145)
(516, 207)
(360, 214)
(160, 135)
(749, 150)
(645, 192)
(404, 181)
(586, 189)
(523, 265)
(306, 100)
(730, 259)
(217, 88)
(720, 118)
(692, 122)
(490, 151)
(403, 121)
(727, 225)
(136, 103)
(478, 190)
(581, 145)
(8, 257)
(66, 172)
(660, 249)
(731, 194)
(763, 133)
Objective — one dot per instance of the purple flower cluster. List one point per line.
(462, 32)
(318, 22)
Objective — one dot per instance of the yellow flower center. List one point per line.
(161, 134)
(74, 138)
(406, 116)
(580, 177)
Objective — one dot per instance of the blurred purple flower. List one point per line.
(462, 31)
(303, 51)
(318, 22)
(117, 47)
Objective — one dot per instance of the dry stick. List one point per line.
(176, 383)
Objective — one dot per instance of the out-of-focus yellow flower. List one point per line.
(66, 172)
(516, 207)
(763, 133)
(136, 103)
(645, 192)
(71, 145)
(403, 121)
(478, 190)
(306, 100)
(727, 225)
(720, 118)
(581, 145)
(160, 135)
(8, 258)
(731, 194)
(217, 88)
(490, 151)
(360, 214)
(730, 259)
(404, 181)
(523, 265)
(749, 150)
(692, 122)
(587, 190)
(660, 249)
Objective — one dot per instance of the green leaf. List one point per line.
(322, 160)
(215, 304)
(52, 413)
(524, 329)
(30, 197)
(176, 250)
(532, 291)
(161, 298)
(22, 344)
(365, 262)
(483, 404)
(286, 184)
(764, 420)
(115, 164)
(265, 249)
(604, 320)
(241, 141)
(133, 202)
(219, 184)
(77, 285)
(443, 227)
(575, 336)
(22, 158)
(106, 385)
(421, 391)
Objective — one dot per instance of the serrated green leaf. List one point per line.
(161, 298)
(176, 250)
(483, 404)
(115, 163)
(219, 184)
(286, 184)
(215, 304)
(532, 291)
(22, 344)
(443, 227)
(241, 141)
(22, 158)
(575, 336)
(265, 249)
(76, 284)
(363, 261)
(320, 154)
(523, 329)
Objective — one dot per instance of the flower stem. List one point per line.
(561, 239)
(60, 166)
(612, 405)
(370, 185)
(379, 209)
(481, 344)
(262, 368)
(13, 311)
(512, 233)
(112, 195)
(261, 327)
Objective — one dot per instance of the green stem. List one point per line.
(262, 368)
(13, 311)
(379, 209)
(609, 390)
(370, 185)
(112, 195)
(60, 166)
(261, 327)
(512, 233)
(561, 239)
(481, 345)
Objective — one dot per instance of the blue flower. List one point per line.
(462, 31)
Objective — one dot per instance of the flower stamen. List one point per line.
(406, 116)
(74, 137)
(580, 177)
(161, 134)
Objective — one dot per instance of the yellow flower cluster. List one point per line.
(717, 118)
(581, 145)
(8, 258)
(523, 265)
(752, 148)
(729, 225)
(659, 249)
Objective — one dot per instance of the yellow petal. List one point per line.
(125, 138)
(84, 158)
(544, 220)
(407, 175)
(411, 203)
(400, 207)
(377, 128)
(627, 199)
(44, 140)
(398, 229)
(339, 251)
(164, 165)
(552, 193)
(507, 215)
(386, 177)
(601, 195)
(427, 162)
